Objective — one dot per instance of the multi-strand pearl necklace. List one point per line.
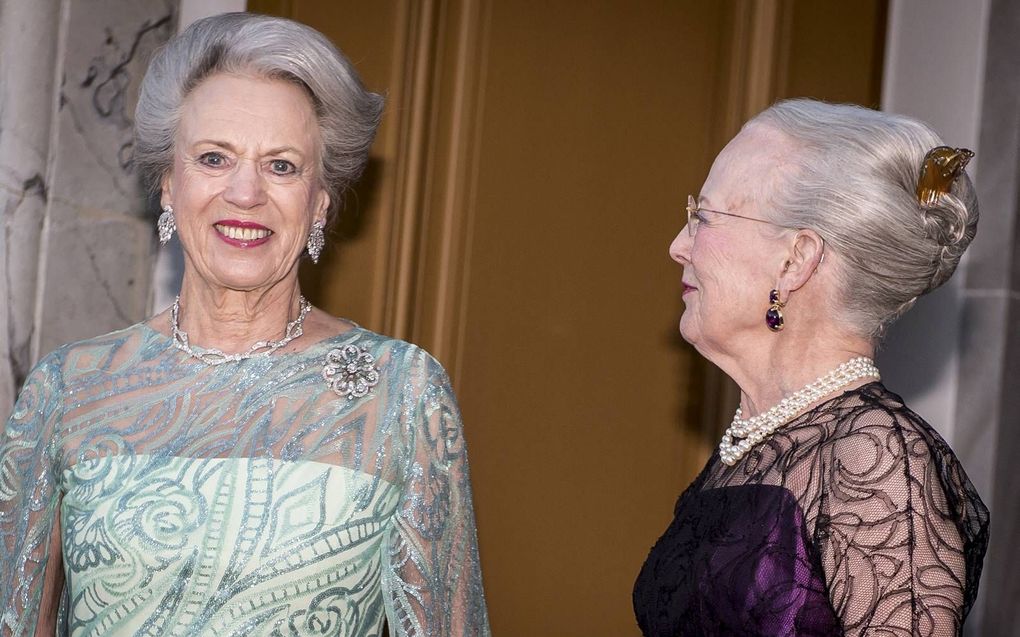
(262, 348)
(758, 428)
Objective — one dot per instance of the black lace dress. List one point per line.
(854, 519)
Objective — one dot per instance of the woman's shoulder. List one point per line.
(873, 406)
(881, 443)
(382, 346)
(873, 427)
(360, 355)
(97, 346)
(72, 361)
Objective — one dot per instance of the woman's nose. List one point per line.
(680, 248)
(246, 188)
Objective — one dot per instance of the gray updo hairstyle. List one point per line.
(852, 179)
(263, 46)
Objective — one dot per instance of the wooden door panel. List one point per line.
(531, 170)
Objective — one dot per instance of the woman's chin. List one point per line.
(242, 280)
(687, 330)
(241, 272)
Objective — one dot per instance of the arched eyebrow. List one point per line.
(280, 150)
(704, 203)
(285, 149)
(215, 142)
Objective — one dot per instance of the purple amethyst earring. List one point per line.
(774, 315)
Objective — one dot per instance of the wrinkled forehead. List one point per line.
(243, 109)
(747, 170)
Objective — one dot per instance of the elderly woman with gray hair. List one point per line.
(243, 463)
(829, 508)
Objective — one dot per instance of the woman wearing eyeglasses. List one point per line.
(829, 508)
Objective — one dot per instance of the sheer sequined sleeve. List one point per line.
(431, 576)
(28, 498)
(898, 529)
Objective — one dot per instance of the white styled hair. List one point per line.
(269, 47)
(853, 180)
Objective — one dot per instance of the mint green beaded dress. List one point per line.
(245, 499)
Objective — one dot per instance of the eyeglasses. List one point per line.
(694, 220)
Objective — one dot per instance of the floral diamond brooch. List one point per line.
(350, 371)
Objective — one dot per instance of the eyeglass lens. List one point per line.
(692, 217)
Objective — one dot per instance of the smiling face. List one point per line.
(245, 184)
(731, 264)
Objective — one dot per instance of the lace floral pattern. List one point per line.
(855, 519)
(242, 499)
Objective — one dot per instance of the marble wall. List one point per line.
(76, 253)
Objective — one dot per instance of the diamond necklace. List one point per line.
(758, 428)
(261, 348)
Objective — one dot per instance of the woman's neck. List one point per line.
(233, 320)
(784, 366)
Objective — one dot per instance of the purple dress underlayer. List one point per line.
(854, 519)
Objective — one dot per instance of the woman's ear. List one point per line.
(322, 206)
(805, 256)
(166, 190)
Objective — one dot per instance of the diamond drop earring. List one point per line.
(316, 241)
(166, 225)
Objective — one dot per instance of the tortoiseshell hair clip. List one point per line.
(939, 171)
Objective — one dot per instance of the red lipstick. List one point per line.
(242, 234)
